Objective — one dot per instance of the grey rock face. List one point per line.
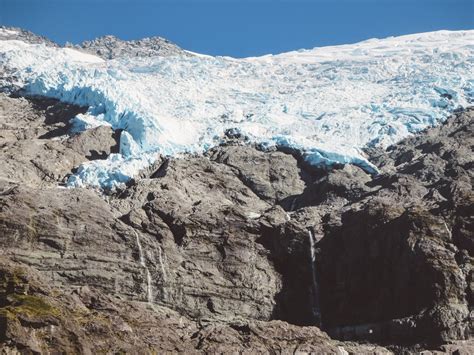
(35, 148)
(41, 317)
(111, 47)
(273, 176)
(215, 251)
(185, 236)
(198, 224)
(399, 262)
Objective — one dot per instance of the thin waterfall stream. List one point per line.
(314, 283)
(149, 295)
(162, 265)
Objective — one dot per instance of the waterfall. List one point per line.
(162, 265)
(149, 295)
(447, 230)
(314, 284)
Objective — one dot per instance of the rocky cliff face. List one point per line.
(400, 258)
(237, 251)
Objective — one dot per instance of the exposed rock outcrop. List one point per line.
(111, 47)
(398, 264)
(237, 251)
(36, 318)
(35, 148)
(19, 34)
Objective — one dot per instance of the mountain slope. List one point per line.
(240, 250)
(246, 247)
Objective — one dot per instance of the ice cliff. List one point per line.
(328, 103)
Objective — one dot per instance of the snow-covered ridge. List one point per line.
(328, 102)
(12, 33)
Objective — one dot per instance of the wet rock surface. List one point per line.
(237, 251)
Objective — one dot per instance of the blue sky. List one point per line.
(237, 27)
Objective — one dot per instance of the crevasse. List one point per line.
(328, 103)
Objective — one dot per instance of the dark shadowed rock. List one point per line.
(398, 266)
(394, 270)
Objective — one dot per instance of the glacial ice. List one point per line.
(328, 103)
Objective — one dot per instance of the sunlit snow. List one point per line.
(327, 102)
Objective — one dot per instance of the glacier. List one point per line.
(328, 103)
